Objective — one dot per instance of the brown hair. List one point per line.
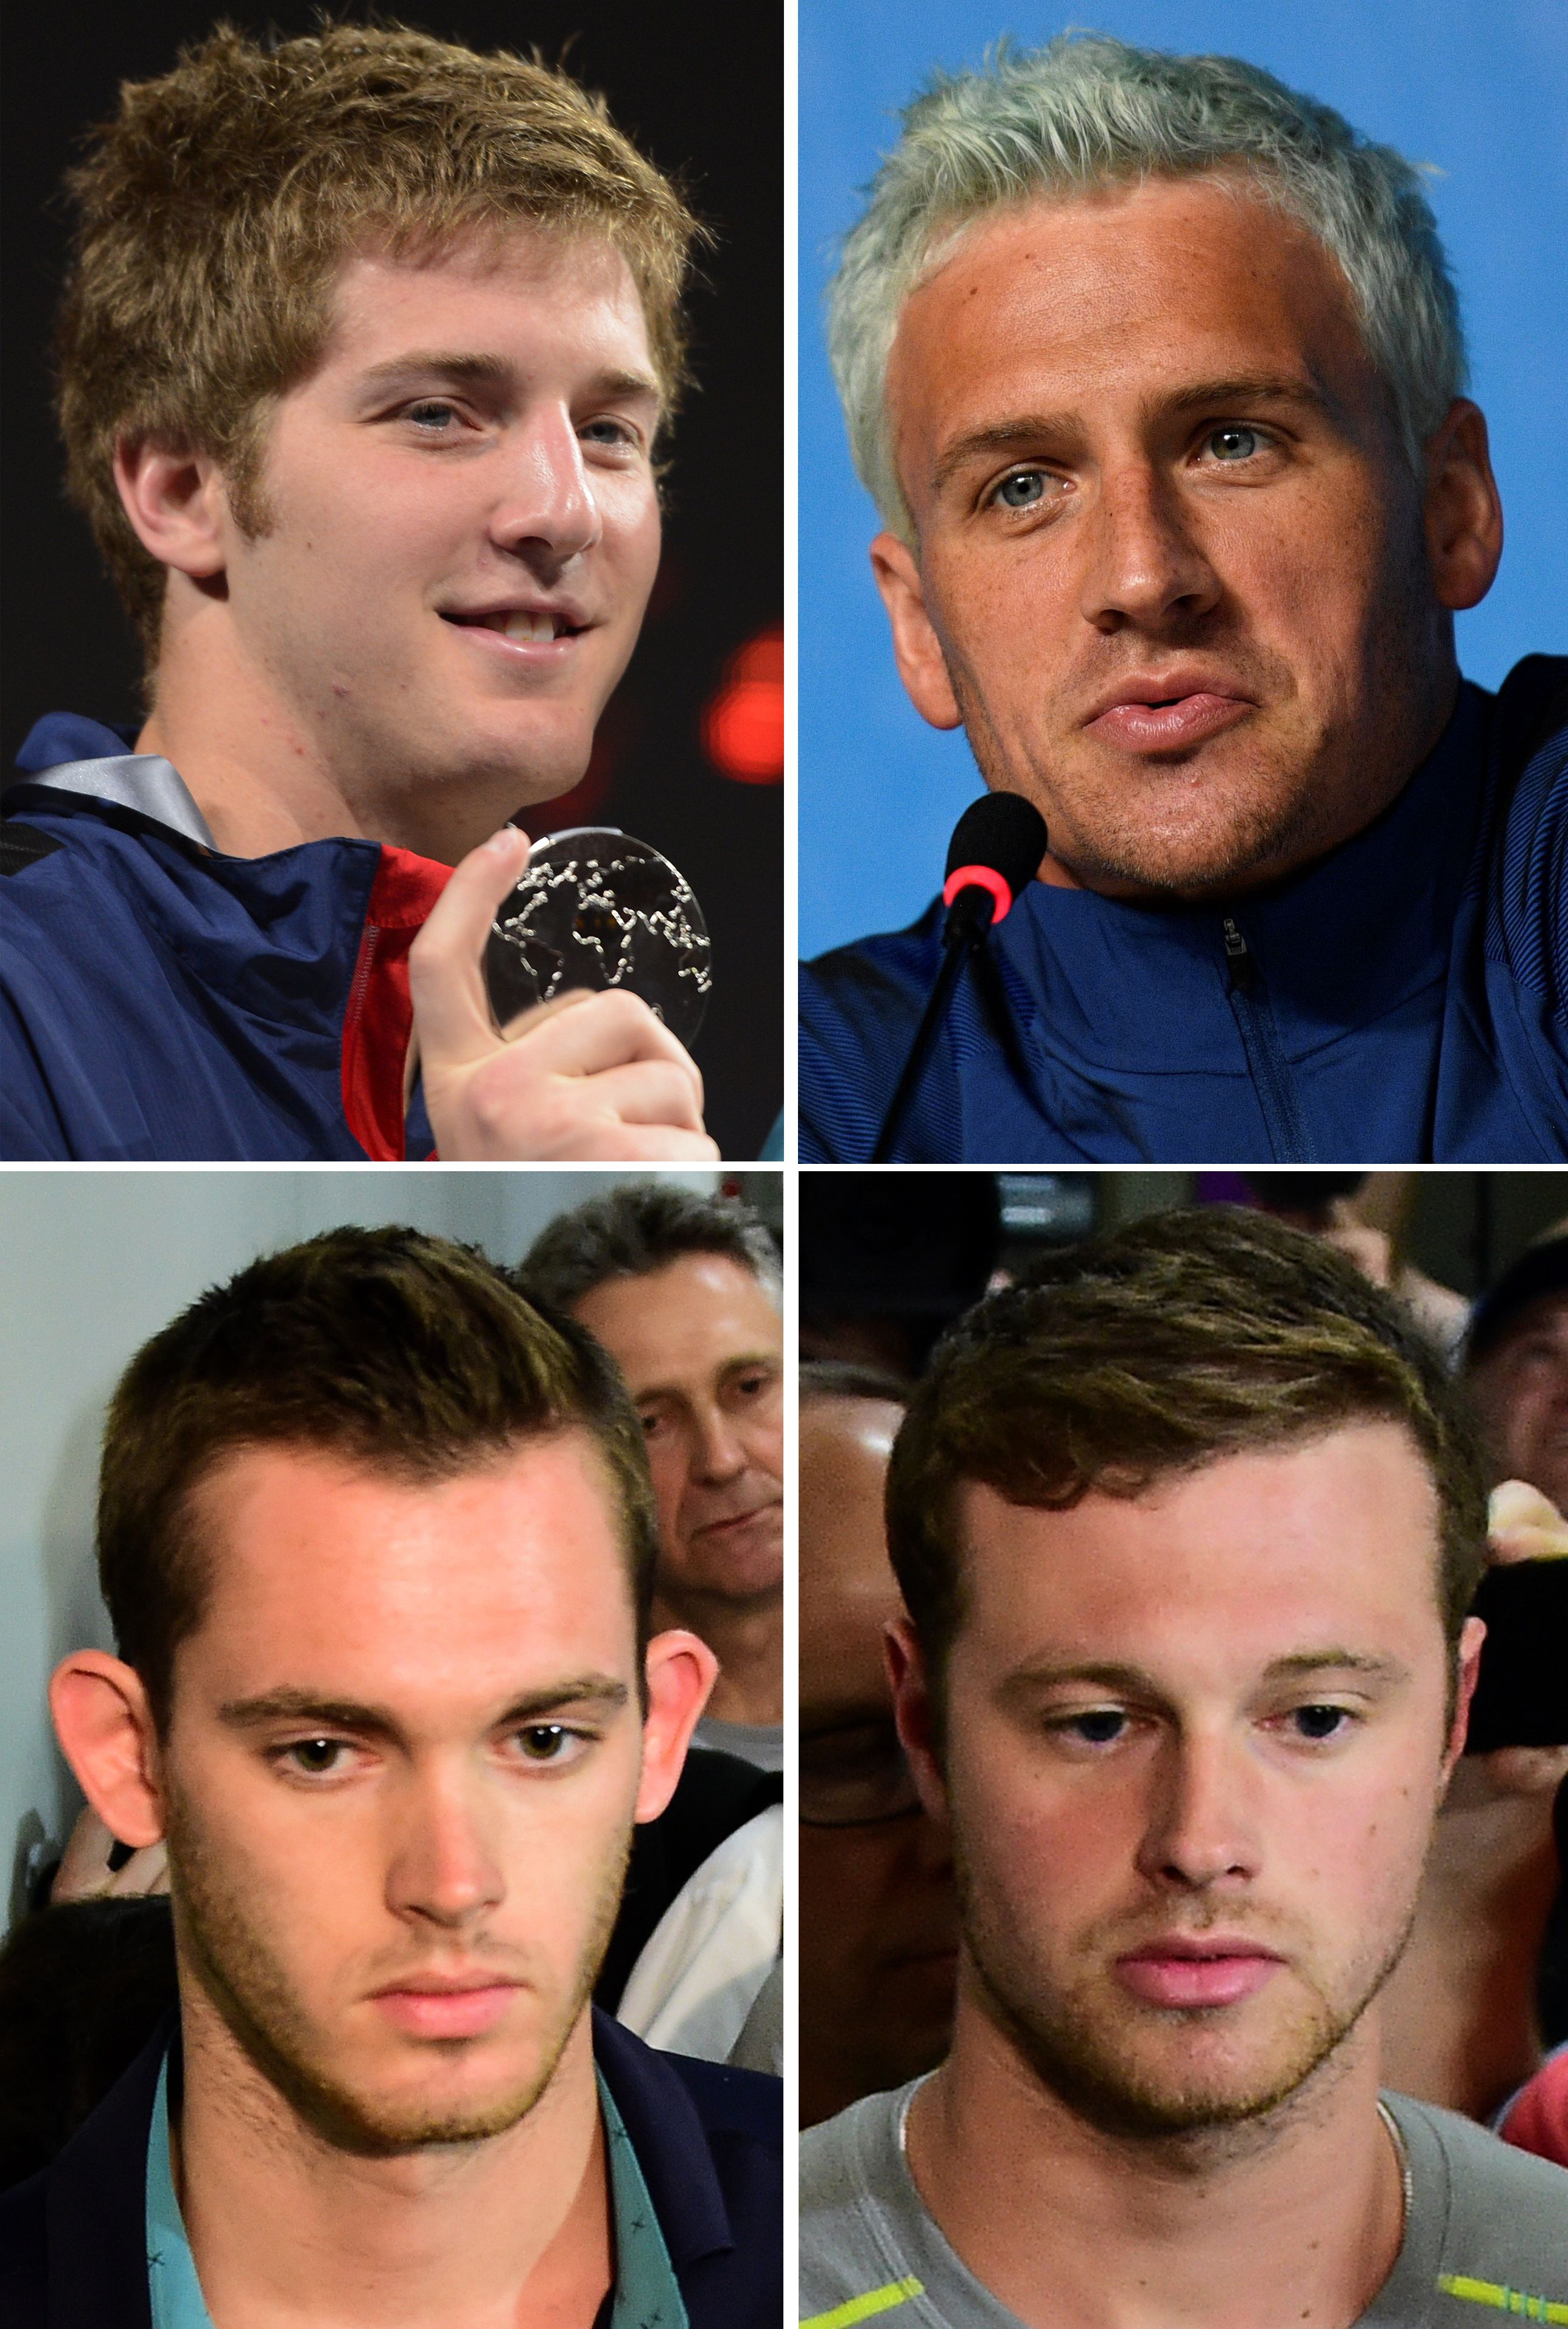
(413, 1357)
(1150, 1353)
(217, 206)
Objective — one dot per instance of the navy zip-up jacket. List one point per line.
(162, 1002)
(1403, 1000)
(709, 2142)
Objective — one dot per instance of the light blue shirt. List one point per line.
(646, 2293)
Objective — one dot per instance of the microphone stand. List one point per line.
(969, 918)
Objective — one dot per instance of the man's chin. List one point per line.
(384, 2117)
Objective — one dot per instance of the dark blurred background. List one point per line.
(690, 753)
(889, 1260)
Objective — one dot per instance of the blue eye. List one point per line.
(1235, 444)
(1023, 490)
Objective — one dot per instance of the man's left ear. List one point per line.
(1464, 511)
(681, 1671)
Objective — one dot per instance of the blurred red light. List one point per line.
(744, 725)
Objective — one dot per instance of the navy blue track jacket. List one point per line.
(162, 1002)
(1403, 1000)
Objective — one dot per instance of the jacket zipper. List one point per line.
(1288, 1139)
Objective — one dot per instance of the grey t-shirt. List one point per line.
(761, 1743)
(1485, 2231)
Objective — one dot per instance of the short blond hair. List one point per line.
(217, 206)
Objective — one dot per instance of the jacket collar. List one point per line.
(96, 2187)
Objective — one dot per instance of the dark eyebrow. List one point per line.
(469, 370)
(1025, 430)
(591, 1692)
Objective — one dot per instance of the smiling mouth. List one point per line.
(522, 628)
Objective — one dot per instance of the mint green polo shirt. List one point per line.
(646, 2293)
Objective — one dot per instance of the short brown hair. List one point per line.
(1149, 1354)
(412, 1357)
(217, 206)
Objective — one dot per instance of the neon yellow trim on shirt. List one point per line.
(1516, 2301)
(861, 2308)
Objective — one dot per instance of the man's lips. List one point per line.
(1184, 1973)
(736, 1520)
(447, 2010)
(1168, 713)
(520, 634)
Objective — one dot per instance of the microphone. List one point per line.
(995, 850)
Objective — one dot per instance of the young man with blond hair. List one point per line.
(365, 357)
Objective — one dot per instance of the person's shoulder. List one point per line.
(1505, 2211)
(24, 2252)
(886, 963)
(725, 2104)
(731, 2101)
(860, 1006)
(839, 2156)
(1531, 713)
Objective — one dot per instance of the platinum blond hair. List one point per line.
(1087, 112)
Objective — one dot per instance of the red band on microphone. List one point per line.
(979, 877)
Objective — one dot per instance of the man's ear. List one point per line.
(1464, 510)
(915, 645)
(915, 1714)
(177, 502)
(681, 1671)
(105, 1728)
(1469, 1670)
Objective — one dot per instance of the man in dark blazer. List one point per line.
(377, 1539)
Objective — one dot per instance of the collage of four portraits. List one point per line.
(784, 1168)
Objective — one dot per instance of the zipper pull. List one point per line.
(1244, 969)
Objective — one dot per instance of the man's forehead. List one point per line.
(381, 292)
(1203, 273)
(699, 1313)
(1351, 1515)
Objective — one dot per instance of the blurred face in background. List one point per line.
(878, 1928)
(1521, 1388)
(700, 1344)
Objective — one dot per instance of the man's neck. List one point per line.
(746, 1638)
(1299, 2217)
(288, 2230)
(266, 778)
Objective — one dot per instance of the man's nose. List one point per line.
(720, 1452)
(548, 514)
(444, 1868)
(1146, 570)
(1200, 1827)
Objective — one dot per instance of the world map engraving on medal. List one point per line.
(597, 909)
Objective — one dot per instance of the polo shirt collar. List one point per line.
(646, 2295)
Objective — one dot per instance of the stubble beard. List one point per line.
(241, 1976)
(1123, 836)
(1081, 2041)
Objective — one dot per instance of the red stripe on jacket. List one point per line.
(379, 1017)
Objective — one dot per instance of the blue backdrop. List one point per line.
(1477, 87)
